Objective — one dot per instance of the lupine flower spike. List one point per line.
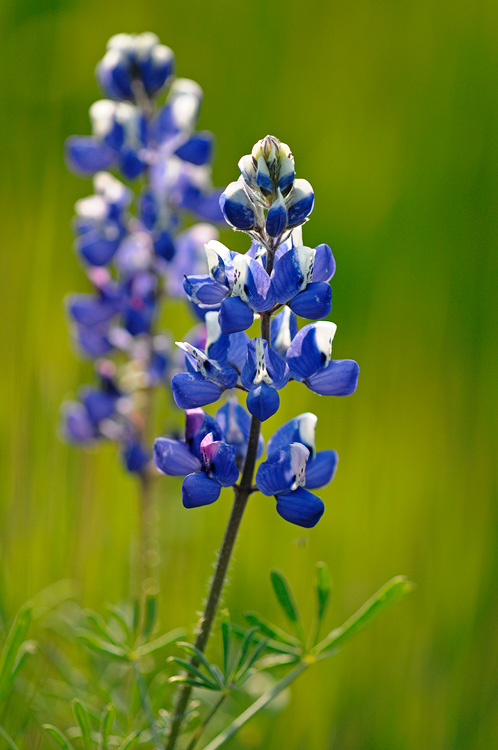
(277, 281)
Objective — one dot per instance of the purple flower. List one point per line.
(208, 462)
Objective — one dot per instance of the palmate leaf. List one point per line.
(101, 646)
(199, 656)
(384, 598)
(150, 612)
(287, 601)
(130, 741)
(245, 667)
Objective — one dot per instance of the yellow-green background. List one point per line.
(391, 111)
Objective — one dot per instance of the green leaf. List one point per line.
(193, 683)
(100, 646)
(323, 587)
(106, 726)
(385, 597)
(57, 735)
(159, 643)
(270, 630)
(13, 643)
(197, 654)
(245, 646)
(252, 659)
(277, 660)
(120, 618)
(226, 635)
(150, 614)
(196, 672)
(286, 599)
(135, 620)
(83, 719)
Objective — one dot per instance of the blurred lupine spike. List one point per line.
(132, 244)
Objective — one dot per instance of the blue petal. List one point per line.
(292, 273)
(321, 470)
(94, 339)
(174, 458)
(299, 202)
(310, 349)
(88, 310)
(235, 315)
(130, 164)
(301, 429)
(223, 466)
(78, 427)
(237, 209)
(164, 245)
(339, 378)
(324, 267)
(263, 401)
(198, 489)
(134, 456)
(95, 249)
(192, 389)
(283, 330)
(282, 470)
(198, 424)
(99, 405)
(276, 366)
(88, 154)
(252, 284)
(300, 507)
(276, 219)
(202, 290)
(237, 350)
(197, 150)
(314, 302)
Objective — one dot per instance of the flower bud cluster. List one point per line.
(267, 201)
(278, 280)
(132, 244)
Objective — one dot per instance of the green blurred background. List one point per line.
(391, 111)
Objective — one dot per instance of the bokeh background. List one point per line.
(391, 111)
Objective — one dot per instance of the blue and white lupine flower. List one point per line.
(293, 467)
(133, 59)
(205, 380)
(207, 462)
(101, 220)
(265, 373)
(283, 475)
(309, 360)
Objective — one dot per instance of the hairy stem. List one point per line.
(242, 492)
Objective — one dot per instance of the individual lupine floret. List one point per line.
(265, 373)
(293, 467)
(101, 220)
(133, 59)
(119, 140)
(205, 380)
(309, 360)
(267, 183)
(208, 462)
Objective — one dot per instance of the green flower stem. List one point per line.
(256, 707)
(242, 492)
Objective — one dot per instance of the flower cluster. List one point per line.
(131, 243)
(278, 280)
